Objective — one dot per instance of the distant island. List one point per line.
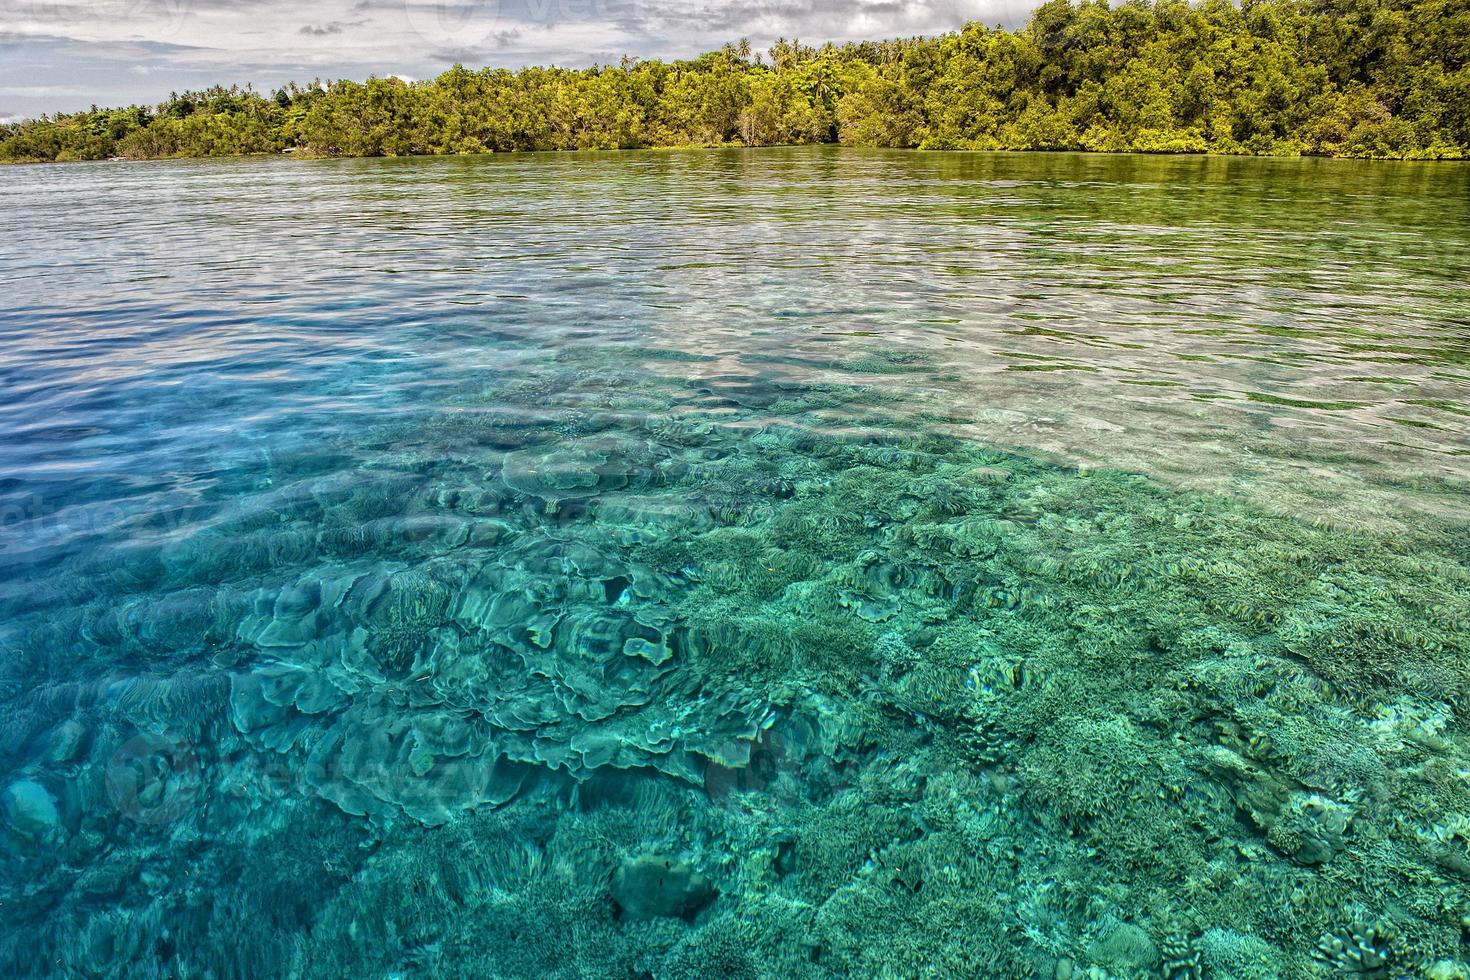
(1360, 78)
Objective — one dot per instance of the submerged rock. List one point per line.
(652, 885)
(30, 809)
(66, 743)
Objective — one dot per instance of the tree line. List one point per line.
(1371, 78)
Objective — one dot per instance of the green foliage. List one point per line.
(1365, 78)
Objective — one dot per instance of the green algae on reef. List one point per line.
(601, 676)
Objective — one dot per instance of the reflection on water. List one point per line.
(1263, 326)
(784, 563)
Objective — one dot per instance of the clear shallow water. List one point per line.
(791, 563)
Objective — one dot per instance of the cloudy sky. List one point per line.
(68, 54)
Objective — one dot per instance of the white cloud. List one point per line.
(129, 50)
(52, 92)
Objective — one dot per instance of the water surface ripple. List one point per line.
(794, 562)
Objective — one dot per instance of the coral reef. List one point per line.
(639, 677)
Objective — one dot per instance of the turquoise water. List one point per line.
(784, 563)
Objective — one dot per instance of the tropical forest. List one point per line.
(1360, 78)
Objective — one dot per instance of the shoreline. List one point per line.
(682, 148)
